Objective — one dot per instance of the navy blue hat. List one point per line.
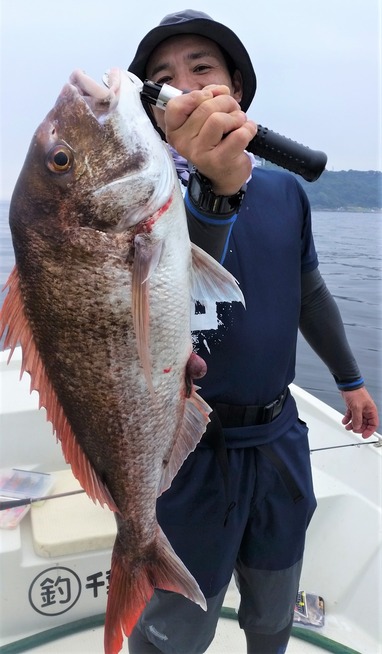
(197, 22)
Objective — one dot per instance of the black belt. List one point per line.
(235, 415)
(231, 415)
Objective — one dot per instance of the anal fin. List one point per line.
(193, 425)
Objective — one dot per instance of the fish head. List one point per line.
(95, 161)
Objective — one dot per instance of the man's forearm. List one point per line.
(322, 327)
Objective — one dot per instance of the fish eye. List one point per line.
(59, 159)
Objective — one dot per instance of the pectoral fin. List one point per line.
(146, 259)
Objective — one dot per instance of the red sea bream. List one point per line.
(99, 300)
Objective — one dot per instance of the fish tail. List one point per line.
(132, 584)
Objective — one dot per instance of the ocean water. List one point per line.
(350, 254)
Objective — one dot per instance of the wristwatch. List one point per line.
(202, 196)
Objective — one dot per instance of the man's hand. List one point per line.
(208, 128)
(361, 415)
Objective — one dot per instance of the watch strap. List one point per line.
(204, 199)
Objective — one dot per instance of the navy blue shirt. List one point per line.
(250, 352)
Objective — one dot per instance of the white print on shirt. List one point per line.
(206, 320)
(209, 326)
(206, 346)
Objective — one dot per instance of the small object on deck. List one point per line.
(309, 609)
(18, 488)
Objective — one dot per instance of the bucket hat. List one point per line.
(190, 21)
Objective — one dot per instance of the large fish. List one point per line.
(99, 300)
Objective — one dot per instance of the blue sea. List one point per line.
(350, 254)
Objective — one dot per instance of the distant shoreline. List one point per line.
(356, 191)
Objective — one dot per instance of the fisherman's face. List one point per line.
(189, 63)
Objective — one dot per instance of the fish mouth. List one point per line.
(100, 98)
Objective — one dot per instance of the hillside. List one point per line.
(345, 190)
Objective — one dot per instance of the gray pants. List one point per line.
(199, 636)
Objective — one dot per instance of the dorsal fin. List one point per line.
(14, 319)
(210, 281)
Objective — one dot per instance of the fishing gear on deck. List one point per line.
(12, 503)
(25, 501)
(377, 443)
(267, 144)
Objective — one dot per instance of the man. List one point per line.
(242, 501)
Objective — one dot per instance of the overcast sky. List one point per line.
(318, 64)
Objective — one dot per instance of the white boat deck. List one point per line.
(343, 559)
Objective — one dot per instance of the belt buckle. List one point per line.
(269, 409)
